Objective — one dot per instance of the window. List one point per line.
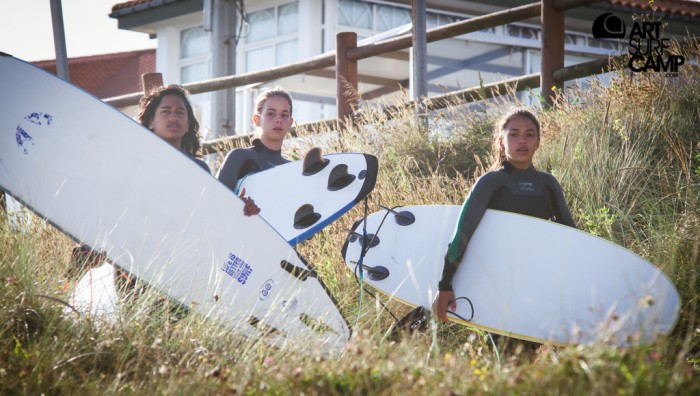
(195, 65)
(272, 37)
(354, 13)
(195, 52)
(392, 17)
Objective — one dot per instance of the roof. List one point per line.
(685, 8)
(139, 5)
(110, 75)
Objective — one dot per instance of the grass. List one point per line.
(628, 157)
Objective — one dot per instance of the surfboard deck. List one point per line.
(302, 197)
(116, 187)
(525, 278)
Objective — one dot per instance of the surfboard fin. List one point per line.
(262, 326)
(402, 218)
(305, 217)
(316, 325)
(339, 178)
(377, 272)
(416, 320)
(314, 162)
(372, 238)
(297, 272)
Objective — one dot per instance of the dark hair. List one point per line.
(276, 91)
(500, 128)
(149, 104)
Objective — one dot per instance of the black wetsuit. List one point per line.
(528, 192)
(201, 163)
(242, 161)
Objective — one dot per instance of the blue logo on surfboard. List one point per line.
(266, 289)
(237, 269)
(22, 137)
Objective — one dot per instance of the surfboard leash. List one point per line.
(470, 306)
(363, 250)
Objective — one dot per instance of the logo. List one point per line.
(290, 305)
(647, 49)
(266, 289)
(22, 137)
(608, 26)
(237, 269)
(526, 186)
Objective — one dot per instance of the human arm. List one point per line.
(561, 209)
(470, 215)
(237, 164)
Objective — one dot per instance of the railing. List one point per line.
(553, 74)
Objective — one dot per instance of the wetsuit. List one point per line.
(528, 192)
(201, 163)
(242, 161)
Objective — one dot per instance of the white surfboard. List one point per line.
(116, 187)
(300, 198)
(95, 294)
(524, 277)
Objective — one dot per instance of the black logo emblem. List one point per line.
(608, 26)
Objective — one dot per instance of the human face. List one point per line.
(275, 120)
(520, 140)
(170, 121)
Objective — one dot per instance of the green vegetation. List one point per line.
(627, 154)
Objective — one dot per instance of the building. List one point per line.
(109, 75)
(203, 39)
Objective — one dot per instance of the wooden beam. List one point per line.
(553, 38)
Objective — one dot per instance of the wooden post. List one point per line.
(419, 63)
(552, 50)
(150, 81)
(345, 77)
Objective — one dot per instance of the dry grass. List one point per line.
(628, 157)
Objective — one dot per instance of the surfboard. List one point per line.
(302, 197)
(114, 186)
(523, 277)
(95, 294)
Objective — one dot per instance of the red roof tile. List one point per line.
(110, 75)
(687, 8)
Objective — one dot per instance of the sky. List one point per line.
(26, 30)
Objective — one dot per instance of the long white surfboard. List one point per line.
(526, 278)
(113, 185)
(300, 198)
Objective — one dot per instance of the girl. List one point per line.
(273, 116)
(516, 186)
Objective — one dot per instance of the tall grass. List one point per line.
(627, 154)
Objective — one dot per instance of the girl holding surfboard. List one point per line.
(273, 116)
(514, 185)
(168, 113)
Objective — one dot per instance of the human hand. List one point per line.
(443, 301)
(249, 208)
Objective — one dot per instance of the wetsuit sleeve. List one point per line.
(560, 207)
(470, 215)
(237, 164)
(202, 164)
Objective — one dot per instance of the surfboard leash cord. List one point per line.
(363, 250)
(470, 306)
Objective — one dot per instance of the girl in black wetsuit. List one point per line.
(273, 115)
(514, 187)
